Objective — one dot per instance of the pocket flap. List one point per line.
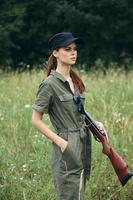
(66, 97)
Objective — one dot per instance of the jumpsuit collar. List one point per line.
(58, 75)
(62, 78)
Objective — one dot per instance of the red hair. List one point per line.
(78, 83)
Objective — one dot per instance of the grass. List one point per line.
(25, 169)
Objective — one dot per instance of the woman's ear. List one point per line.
(55, 53)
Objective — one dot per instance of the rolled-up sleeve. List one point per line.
(43, 101)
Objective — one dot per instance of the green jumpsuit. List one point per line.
(70, 168)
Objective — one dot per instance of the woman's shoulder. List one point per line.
(48, 81)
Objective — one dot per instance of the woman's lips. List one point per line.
(73, 58)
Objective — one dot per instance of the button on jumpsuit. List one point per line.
(70, 168)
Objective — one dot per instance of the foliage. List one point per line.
(25, 27)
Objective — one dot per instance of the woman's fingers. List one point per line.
(102, 128)
(64, 145)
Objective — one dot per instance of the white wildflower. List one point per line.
(27, 105)
(2, 118)
(24, 166)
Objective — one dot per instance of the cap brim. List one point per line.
(70, 41)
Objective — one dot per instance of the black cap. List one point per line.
(62, 39)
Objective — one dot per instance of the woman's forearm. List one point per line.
(43, 128)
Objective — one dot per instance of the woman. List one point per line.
(71, 139)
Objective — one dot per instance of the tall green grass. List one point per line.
(25, 154)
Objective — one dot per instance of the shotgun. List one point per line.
(119, 165)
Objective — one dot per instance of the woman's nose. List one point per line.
(73, 52)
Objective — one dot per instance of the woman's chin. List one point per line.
(73, 62)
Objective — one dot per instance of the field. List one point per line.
(25, 154)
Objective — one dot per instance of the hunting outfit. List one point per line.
(70, 168)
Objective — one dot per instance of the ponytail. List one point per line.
(52, 64)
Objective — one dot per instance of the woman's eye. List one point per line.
(67, 49)
(70, 49)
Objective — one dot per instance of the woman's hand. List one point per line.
(63, 145)
(102, 128)
(43, 128)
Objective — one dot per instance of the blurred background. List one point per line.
(105, 25)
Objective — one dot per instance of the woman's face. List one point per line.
(66, 55)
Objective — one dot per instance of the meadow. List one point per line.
(25, 154)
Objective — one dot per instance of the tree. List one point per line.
(25, 27)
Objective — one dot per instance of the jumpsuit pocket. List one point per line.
(71, 158)
(66, 102)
